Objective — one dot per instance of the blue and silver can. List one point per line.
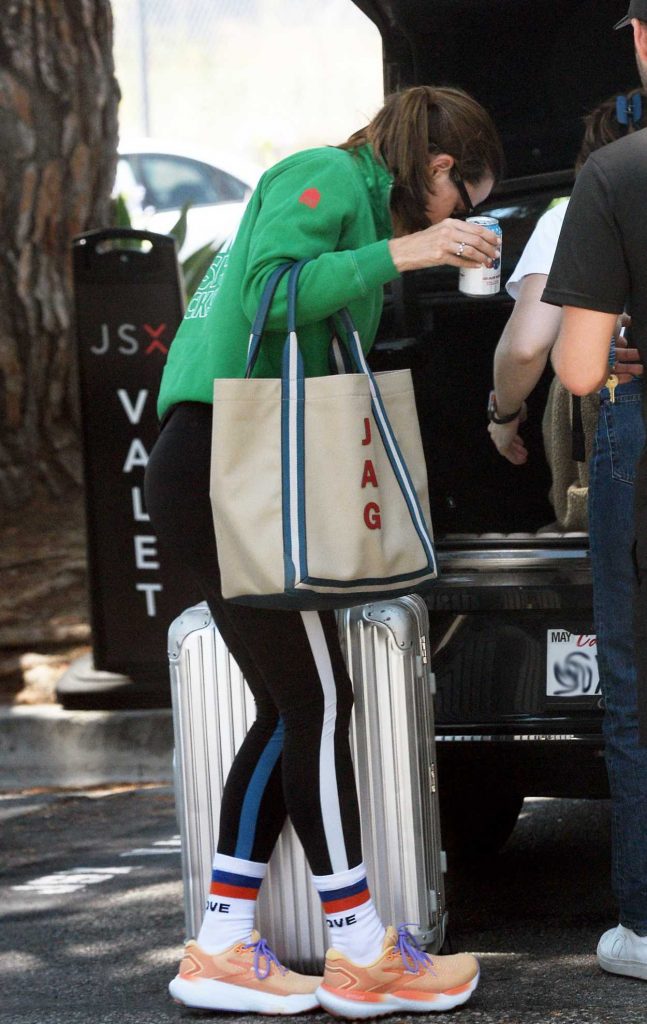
(482, 280)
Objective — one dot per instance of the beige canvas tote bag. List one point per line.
(318, 484)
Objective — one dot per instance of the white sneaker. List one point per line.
(621, 951)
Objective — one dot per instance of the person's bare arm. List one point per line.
(528, 337)
(581, 353)
(519, 361)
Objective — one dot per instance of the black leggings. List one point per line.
(296, 756)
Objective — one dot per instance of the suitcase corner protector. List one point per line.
(190, 620)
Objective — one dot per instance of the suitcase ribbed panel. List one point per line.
(212, 712)
(289, 908)
(393, 750)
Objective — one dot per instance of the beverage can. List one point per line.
(482, 280)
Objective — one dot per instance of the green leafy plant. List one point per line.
(193, 267)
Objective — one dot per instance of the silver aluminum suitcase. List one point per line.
(394, 754)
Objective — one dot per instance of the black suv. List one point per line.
(513, 650)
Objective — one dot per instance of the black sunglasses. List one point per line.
(464, 194)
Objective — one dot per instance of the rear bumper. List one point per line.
(491, 612)
(491, 561)
(539, 764)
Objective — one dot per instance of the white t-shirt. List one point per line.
(537, 257)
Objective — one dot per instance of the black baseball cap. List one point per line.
(637, 9)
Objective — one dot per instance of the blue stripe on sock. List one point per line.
(254, 795)
(348, 890)
(229, 878)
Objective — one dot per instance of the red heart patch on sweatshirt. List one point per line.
(310, 197)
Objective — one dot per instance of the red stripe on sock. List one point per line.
(334, 906)
(234, 891)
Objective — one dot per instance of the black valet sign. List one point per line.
(128, 306)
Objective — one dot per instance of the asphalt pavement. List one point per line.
(91, 921)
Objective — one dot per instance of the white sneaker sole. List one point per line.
(207, 994)
(352, 1010)
(630, 968)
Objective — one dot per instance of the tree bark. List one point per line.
(58, 127)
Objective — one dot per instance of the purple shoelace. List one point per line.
(413, 957)
(263, 952)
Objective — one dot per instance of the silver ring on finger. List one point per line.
(460, 250)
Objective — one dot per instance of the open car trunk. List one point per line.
(512, 607)
(538, 66)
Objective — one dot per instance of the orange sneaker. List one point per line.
(402, 979)
(247, 977)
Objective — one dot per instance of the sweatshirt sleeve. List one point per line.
(305, 211)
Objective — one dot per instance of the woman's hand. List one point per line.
(441, 244)
(507, 440)
(628, 364)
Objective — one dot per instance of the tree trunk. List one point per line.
(58, 128)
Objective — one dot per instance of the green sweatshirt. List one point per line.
(328, 204)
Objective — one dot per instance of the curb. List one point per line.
(49, 746)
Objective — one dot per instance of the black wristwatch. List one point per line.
(492, 412)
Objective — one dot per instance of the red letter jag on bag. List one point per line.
(368, 476)
(372, 516)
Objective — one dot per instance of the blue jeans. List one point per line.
(618, 444)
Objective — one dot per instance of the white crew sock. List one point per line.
(354, 927)
(231, 903)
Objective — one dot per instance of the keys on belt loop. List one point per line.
(612, 383)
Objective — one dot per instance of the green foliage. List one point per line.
(193, 267)
(178, 231)
(120, 215)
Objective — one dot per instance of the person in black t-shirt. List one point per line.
(599, 270)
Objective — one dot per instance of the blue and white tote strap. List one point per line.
(260, 319)
(389, 440)
(339, 358)
(293, 441)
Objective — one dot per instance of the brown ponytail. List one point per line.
(421, 121)
(601, 126)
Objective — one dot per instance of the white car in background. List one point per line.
(156, 179)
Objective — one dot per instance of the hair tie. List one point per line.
(629, 109)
